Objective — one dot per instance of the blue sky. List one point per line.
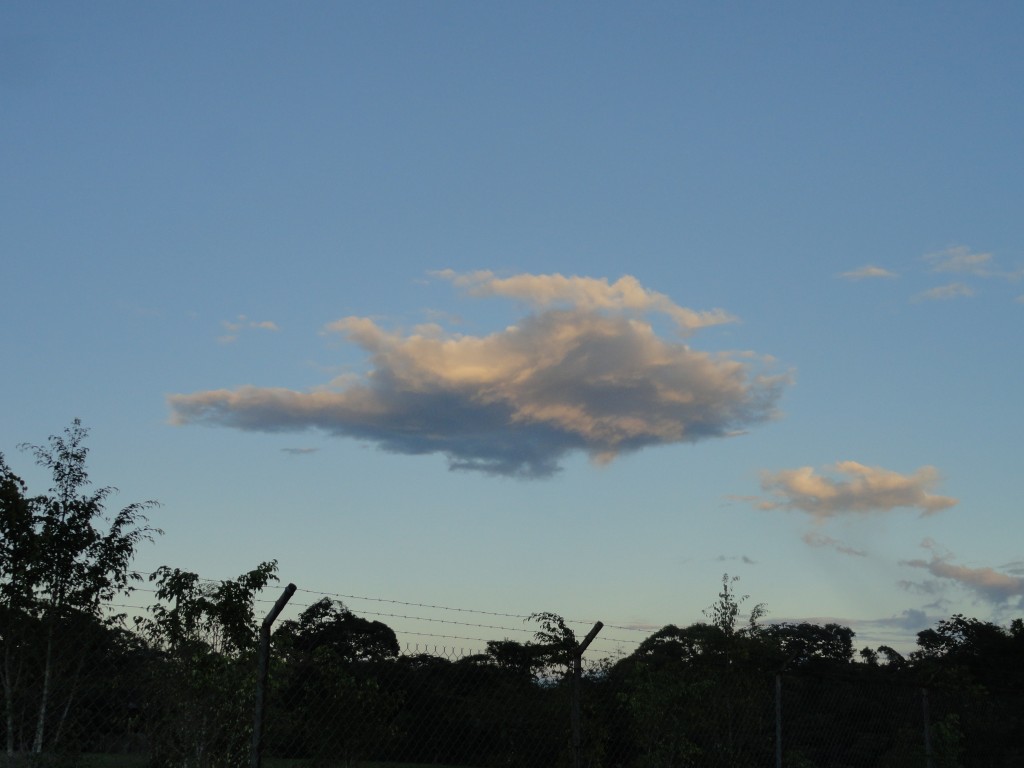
(533, 307)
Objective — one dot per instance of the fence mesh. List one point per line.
(78, 691)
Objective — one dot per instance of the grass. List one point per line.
(139, 761)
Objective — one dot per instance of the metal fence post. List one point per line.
(778, 721)
(577, 673)
(262, 667)
(927, 728)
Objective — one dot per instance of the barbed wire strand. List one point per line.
(466, 610)
(605, 640)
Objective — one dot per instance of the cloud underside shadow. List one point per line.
(515, 402)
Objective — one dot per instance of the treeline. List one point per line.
(177, 684)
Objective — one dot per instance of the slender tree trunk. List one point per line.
(37, 746)
(67, 704)
(13, 666)
(8, 702)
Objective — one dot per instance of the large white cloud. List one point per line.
(587, 373)
(866, 489)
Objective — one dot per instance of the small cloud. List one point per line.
(868, 272)
(586, 373)
(1015, 568)
(299, 451)
(945, 292)
(910, 620)
(990, 585)
(817, 539)
(928, 587)
(740, 558)
(959, 259)
(642, 626)
(868, 489)
(235, 327)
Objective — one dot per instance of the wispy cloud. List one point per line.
(585, 294)
(990, 585)
(960, 259)
(867, 489)
(818, 539)
(964, 268)
(946, 292)
(234, 327)
(911, 620)
(299, 451)
(642, 626)
(741, 558)
(586, 373)
(1015, 568)
(868, 272)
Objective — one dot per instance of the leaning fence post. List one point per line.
(262, 667)
(577, 671)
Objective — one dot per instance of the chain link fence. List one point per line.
(77, 691)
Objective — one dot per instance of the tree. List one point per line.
(329, 684)
(979, 665)
(802, 644)
(63, 558)
(329, 624)
(524, 660)
(738, 678)
(557, 639)
(665, 706)
(969, 641)
(215, 616)
(18, 551)
(697, 643)
(204, 634)
(724, 612)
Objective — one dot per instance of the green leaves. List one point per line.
(328, 624)
(19, 547)
(74, 562)
(219, 616)
(61, 560)
(724, 613)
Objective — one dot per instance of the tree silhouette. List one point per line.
(61, 561)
